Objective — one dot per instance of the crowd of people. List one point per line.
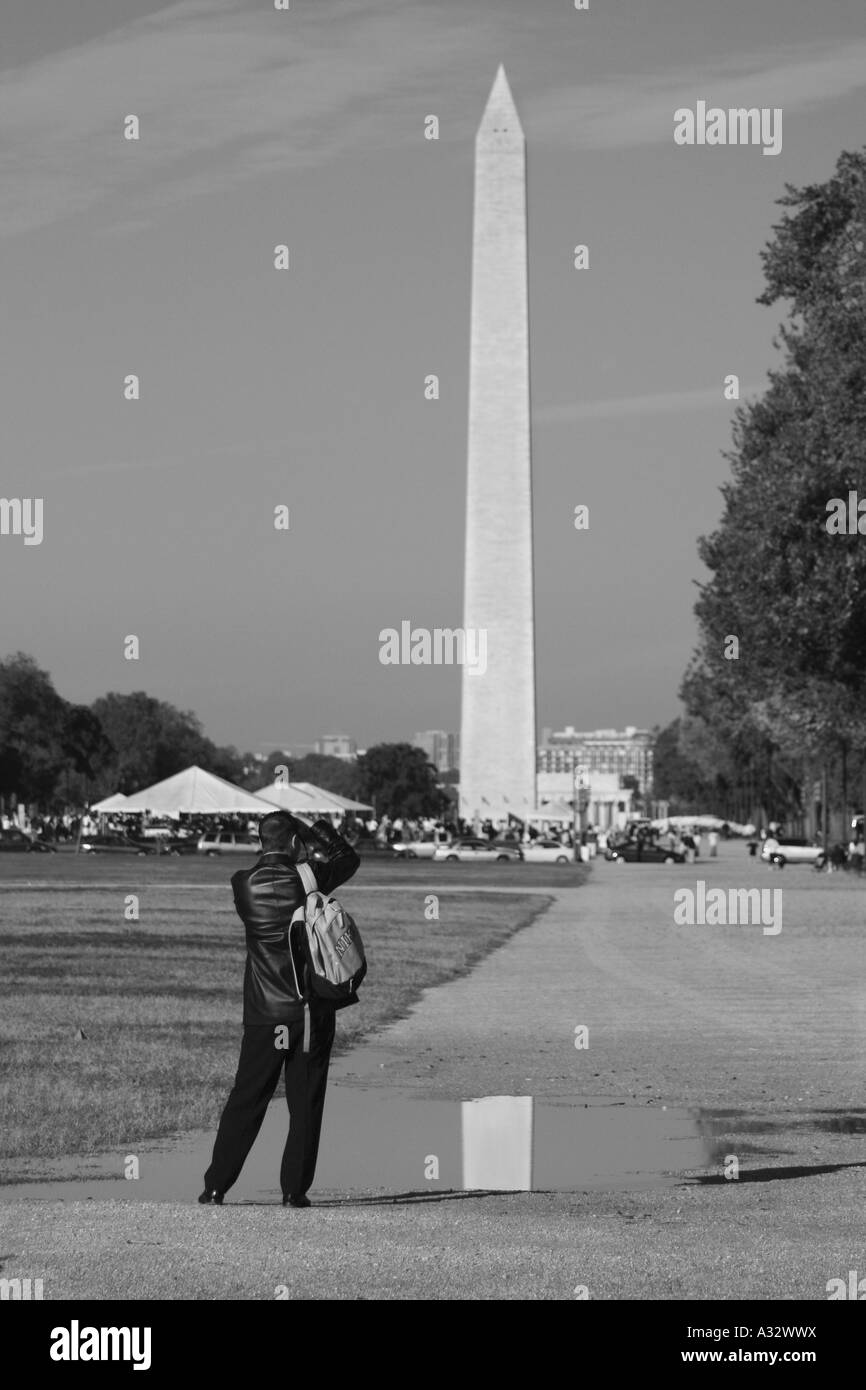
(383, 831)
(388, 831)
(691, 842)
(52, 829)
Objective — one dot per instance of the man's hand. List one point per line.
(301, 828)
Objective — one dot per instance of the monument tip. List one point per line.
(500, 113)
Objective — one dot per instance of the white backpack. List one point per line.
(333, 949)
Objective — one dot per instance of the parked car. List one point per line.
(178, 844)
(786, 849)
(15, 840)
(478, 851)
(368, 846)
(229, 842)
(113, 842)
(651, 852)
(414, 849)
(547, 852)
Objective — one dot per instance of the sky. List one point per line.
(306, 387)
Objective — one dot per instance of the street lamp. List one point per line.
(578, 787)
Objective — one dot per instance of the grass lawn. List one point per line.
(159, 1000)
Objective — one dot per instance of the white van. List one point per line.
(229, 842)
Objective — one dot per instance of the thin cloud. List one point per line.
(222, 93)
(225, 92)
(626, 111)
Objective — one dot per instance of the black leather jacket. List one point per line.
(266, 897)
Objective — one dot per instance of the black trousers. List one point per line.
(258, 1073)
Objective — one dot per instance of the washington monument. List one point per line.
(497, 736)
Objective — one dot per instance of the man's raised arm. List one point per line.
(331, 857)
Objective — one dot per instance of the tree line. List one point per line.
(774, 707)
(55, 754)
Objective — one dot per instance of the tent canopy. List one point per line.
(708, 822)
(290, 796)
(117, 802)
(195, 792)
(303, 797)
(339, 803)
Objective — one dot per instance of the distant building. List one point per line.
(442, 749)
(603, 758)
(337, 746)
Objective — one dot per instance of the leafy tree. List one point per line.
(791, 593)
(151, 739)
(32, 724)
(677, 778)
(399, 781)
(331, 774)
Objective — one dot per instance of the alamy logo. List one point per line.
(856, 1288)
(846, 519)
(736, 126)
(20, 1289)
(76, 1343)
(22, 516)
(737, 907)
(444, 646)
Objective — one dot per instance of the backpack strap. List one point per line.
(308, 878)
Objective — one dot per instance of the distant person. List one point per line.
(713, 839)
(854, 855)
(266, 897)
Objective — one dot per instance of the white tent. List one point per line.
(303, 797)
(290, 796)
(195, 792)
(338, 803)
(707, 822)
(110, 803)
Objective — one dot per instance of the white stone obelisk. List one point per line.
(497, 737)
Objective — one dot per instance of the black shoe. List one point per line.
(211, 1199)
(298, 1199)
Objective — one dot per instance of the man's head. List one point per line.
(279, 835)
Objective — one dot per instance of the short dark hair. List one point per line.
(276, 831)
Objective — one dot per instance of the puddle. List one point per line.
(379, 1140)
(722, 1122)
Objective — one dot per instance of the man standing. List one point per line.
(266, 897)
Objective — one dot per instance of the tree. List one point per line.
(32, 725)
(151, 739)
(399, 781)
(331, 774)
(677, 778)
(86, 751)
(789, 590)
